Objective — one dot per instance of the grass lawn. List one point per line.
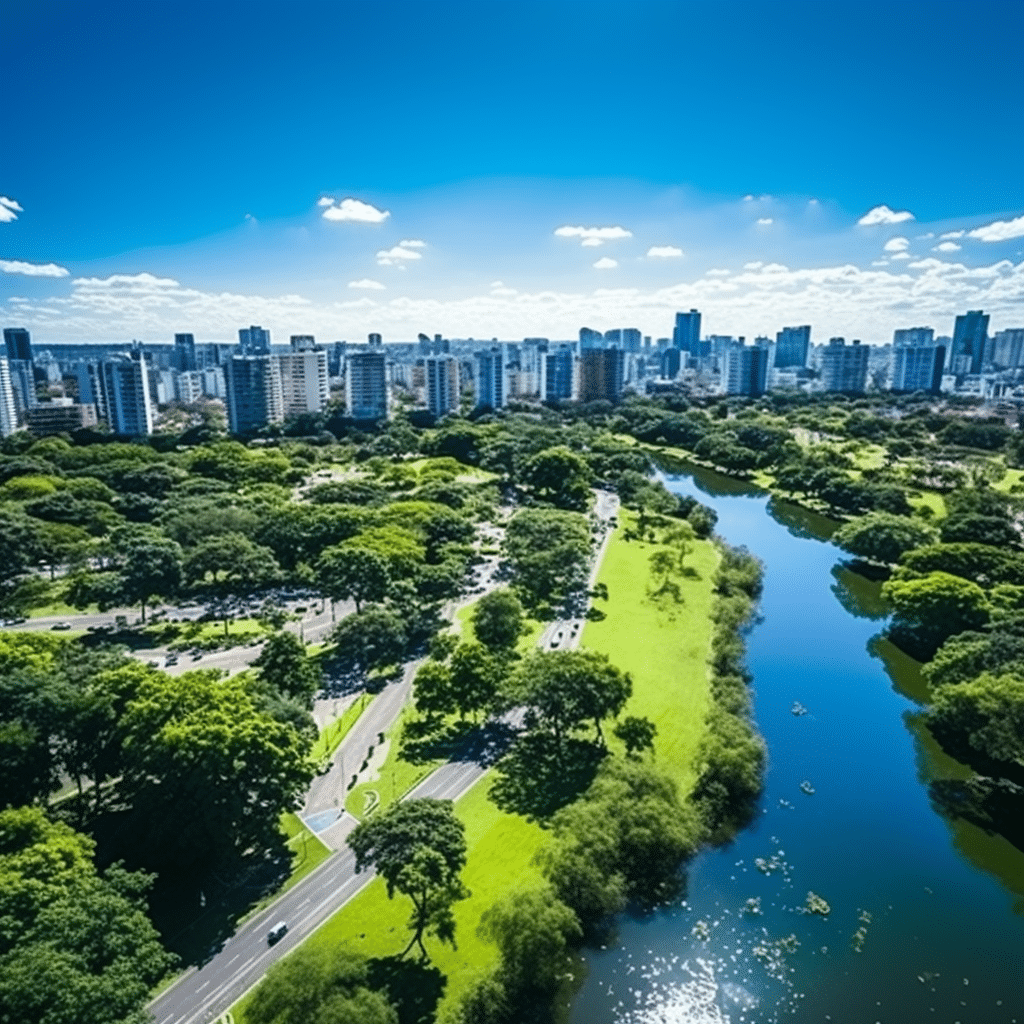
(929, 499)
(500, 849)
(1012, 479)
(664, 647)
(308, 851)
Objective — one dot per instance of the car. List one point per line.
(61, 625)
(171, 659)
(277, 933)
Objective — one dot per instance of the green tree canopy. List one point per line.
(371, 639)
(351, 571)
(419, 848)
(560, 476)
(498, 620)
(882, 536)
(285, 666)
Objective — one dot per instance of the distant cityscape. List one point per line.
(68, 387)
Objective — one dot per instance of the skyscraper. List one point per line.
(184, 357)
(686, 334)
(744, 369)
(602, 374)
(122, 385)
(791, 347)
(19, 343)
(844, 367)
(557, 377)
(254, 397)
(441, 375)
(254, 341)
(913, 336)
(8, 409)
(366, 387)
(970, 334)
(304, 382)
(1007, 349)
(917, 367)
(590, 338)
(491, 378)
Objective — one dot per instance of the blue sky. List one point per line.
(163, 164)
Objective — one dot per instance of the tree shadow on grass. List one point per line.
(537, 778)
(414, 987)
(425, 740)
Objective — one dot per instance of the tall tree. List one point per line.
(498, 620)
(371, 639)
(349, 571)
(285, 665)
(419, 848)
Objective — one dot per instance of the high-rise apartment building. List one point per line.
(792, 345)
(1006, 349)
(254, 341)
(122, 398)
(970, 335)
(305, 386)
(686, 333)
(366, 386)
(914, 336)
(602, 374)
(441, 384)
(491, 378)
(917, 367)
(188, 387)
(629, 339)
(558, 381)
(844, 368)
(19, 343)
(253, 392)
(744, 368)
(590, 338)
(58, 416)
(8, 408)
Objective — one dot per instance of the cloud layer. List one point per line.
(883, 215)
(353, 210)
(32, 269)
(999, 230)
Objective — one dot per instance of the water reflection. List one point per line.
(801, 522)
(860, 596)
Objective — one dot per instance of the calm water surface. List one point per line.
(927, 915)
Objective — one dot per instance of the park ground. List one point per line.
(665, 647)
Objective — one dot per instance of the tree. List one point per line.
(368, 640)
(532, 930)
(206, 772)
(349, 571)
(419, 847)
(149, 566)
(76, 947)
(548, 552)
(979, 529)
(498, 620)
(930, 609)
(284, 665)
(321, 985)
(474, 677)
(980, 563)
(882, 537)
(563, 689)
(559, 476)
(636, 734)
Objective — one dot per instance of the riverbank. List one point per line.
(666, 647)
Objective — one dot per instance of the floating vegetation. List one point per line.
(798, 709)
(752, 906)
(773, 954)
(816, 905)
(774, 863)
(701, 931)
(807, 788)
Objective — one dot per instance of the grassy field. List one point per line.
(500, 848)
(663, 646)
(330, 737)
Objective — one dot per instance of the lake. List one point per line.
(926, 915)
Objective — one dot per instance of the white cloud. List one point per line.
(755, 265)
(32, 269)
(500, 289)
(412, 243)
(999, 230)
(901, 256)
(325, 201)
(897, 244)
(765, 220)
(664, 251)
(748, 199)
(589, 243)
(775, 268)
(397, 253)
(925, 236)
(947, 247)
(367, 284)
(7, 214)
(356, 210)
(953, 234)
(593, 236)
(879, 263)
(605, 263)
(717, 273)
(11, 204)
(883, 215)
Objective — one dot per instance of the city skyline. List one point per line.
(383, 196)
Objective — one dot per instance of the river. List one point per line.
(926, 918)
